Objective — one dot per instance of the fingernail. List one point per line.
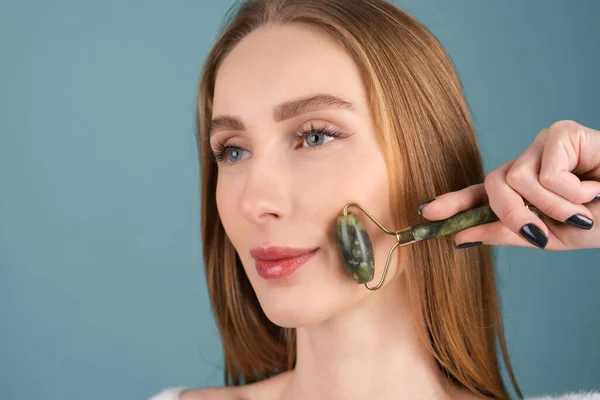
(534, 235)
(597, 197)
(580, 221)
(466, 245)
(420, 209)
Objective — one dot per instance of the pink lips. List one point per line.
(278, 262)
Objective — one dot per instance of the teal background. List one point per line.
(102, 292)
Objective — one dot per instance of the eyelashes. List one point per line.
(221, 150)
(327, 131)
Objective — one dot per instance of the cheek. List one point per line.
(358, 175)
(226, 197)
(355, 173)
(369, 187)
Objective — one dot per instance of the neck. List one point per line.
(371, 351)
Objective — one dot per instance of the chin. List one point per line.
(316, 292)
(292, 306)
(291, 318)
(298, 305)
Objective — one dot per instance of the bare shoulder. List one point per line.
(269, 389)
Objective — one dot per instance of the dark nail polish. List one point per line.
(466, 245)
(534, 235)
(580, 221)
(423, 205)
(597, 197)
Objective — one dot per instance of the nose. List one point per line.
(266, 193)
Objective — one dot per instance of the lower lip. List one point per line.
(277, 269)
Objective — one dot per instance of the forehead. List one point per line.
(274, 64)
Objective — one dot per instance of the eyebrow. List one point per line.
(284, 111)
(225, 123)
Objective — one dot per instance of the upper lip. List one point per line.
(278, 253)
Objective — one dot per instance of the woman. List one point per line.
(307, 105)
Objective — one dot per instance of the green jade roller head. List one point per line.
(356, 251)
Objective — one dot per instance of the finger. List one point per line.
(571, 149)
(508, 205)
(498, 234)
(448, 204)
(522, 177)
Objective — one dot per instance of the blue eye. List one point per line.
(231, 154)
(315, 136)
(315, 139)
(234, 155)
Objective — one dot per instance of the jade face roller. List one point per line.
(356, 251)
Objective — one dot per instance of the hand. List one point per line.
(559, 174)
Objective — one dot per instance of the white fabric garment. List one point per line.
(173, 394)
(169, 394)
(568, 396)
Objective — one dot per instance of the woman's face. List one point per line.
(295, 142)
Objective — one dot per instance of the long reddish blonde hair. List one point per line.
(430, 147)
